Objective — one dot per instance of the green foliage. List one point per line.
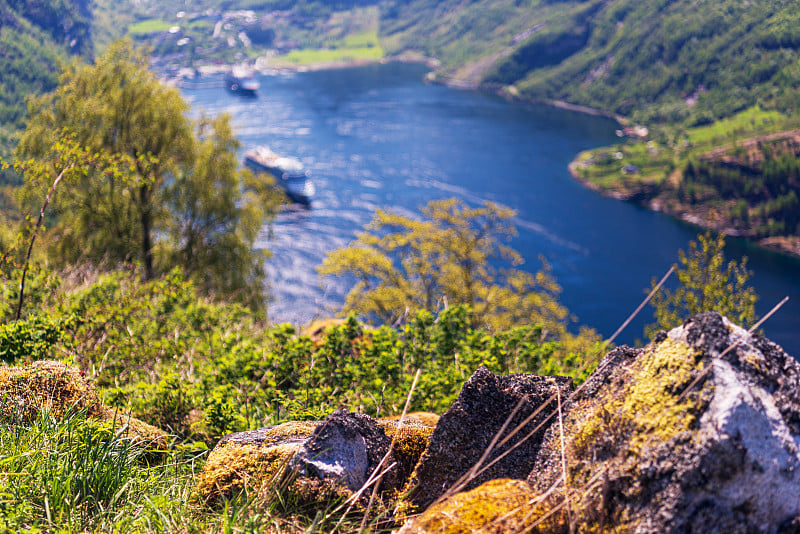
(454, 255)
(706, 284)
(158, 350)
(32, 338)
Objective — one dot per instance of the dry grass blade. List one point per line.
(564, 463)
(469, 475)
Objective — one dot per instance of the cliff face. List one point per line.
(68, 22)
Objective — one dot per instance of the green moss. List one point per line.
(45, 384)
(60, 389)
(234, 467)
(410, 441)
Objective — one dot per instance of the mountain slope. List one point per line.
(35, 38)
(661, 60)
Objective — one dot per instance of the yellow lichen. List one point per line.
(420, 418)
(410, 441)
(650, 407)
(497, 506)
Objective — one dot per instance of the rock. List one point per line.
(61, 389)
(644, 453)
(409, 441)
(347, 448)
(466, 430)
(337, 455)
(418, 418)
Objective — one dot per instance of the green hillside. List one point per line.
(35, 38)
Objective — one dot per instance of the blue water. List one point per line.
(378, 137)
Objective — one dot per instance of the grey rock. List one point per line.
(348, 448)
(466, 430)
(722, 457)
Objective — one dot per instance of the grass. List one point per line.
(670, 149)
(752, 121)
(72, 474)
(149, 26)
(332, 55)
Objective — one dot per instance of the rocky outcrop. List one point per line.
(337, 455)
(61, 389)
(348, 448)
(697, 432)
(483, 409)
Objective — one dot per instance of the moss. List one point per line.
(140, 433)
(291, 430)
(410, 442)
(420, 418)
(496, 506)
(233, 468)
(45, 384)
(244, 463)
(61, 388)
(648, 409)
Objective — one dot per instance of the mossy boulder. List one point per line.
(487, 404)
(61, 389)
(338, 454)
(246, 461)
(697, 432)
(51, 385)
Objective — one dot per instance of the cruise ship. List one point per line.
(242, 82)
(288, 172)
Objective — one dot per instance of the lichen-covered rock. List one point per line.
(409, 441)
(342, 451)
(60, 389)
(466, 430)
(645, 453)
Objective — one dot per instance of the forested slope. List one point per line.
(665, 60)
(35, 38)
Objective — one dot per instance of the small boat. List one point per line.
(241, 81)
(289, 173)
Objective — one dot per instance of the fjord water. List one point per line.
(378, 137)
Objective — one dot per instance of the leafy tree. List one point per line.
(454, 255)
(182, 199)
(706, 284)
(218, 214)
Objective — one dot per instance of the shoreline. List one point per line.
(784, 245)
